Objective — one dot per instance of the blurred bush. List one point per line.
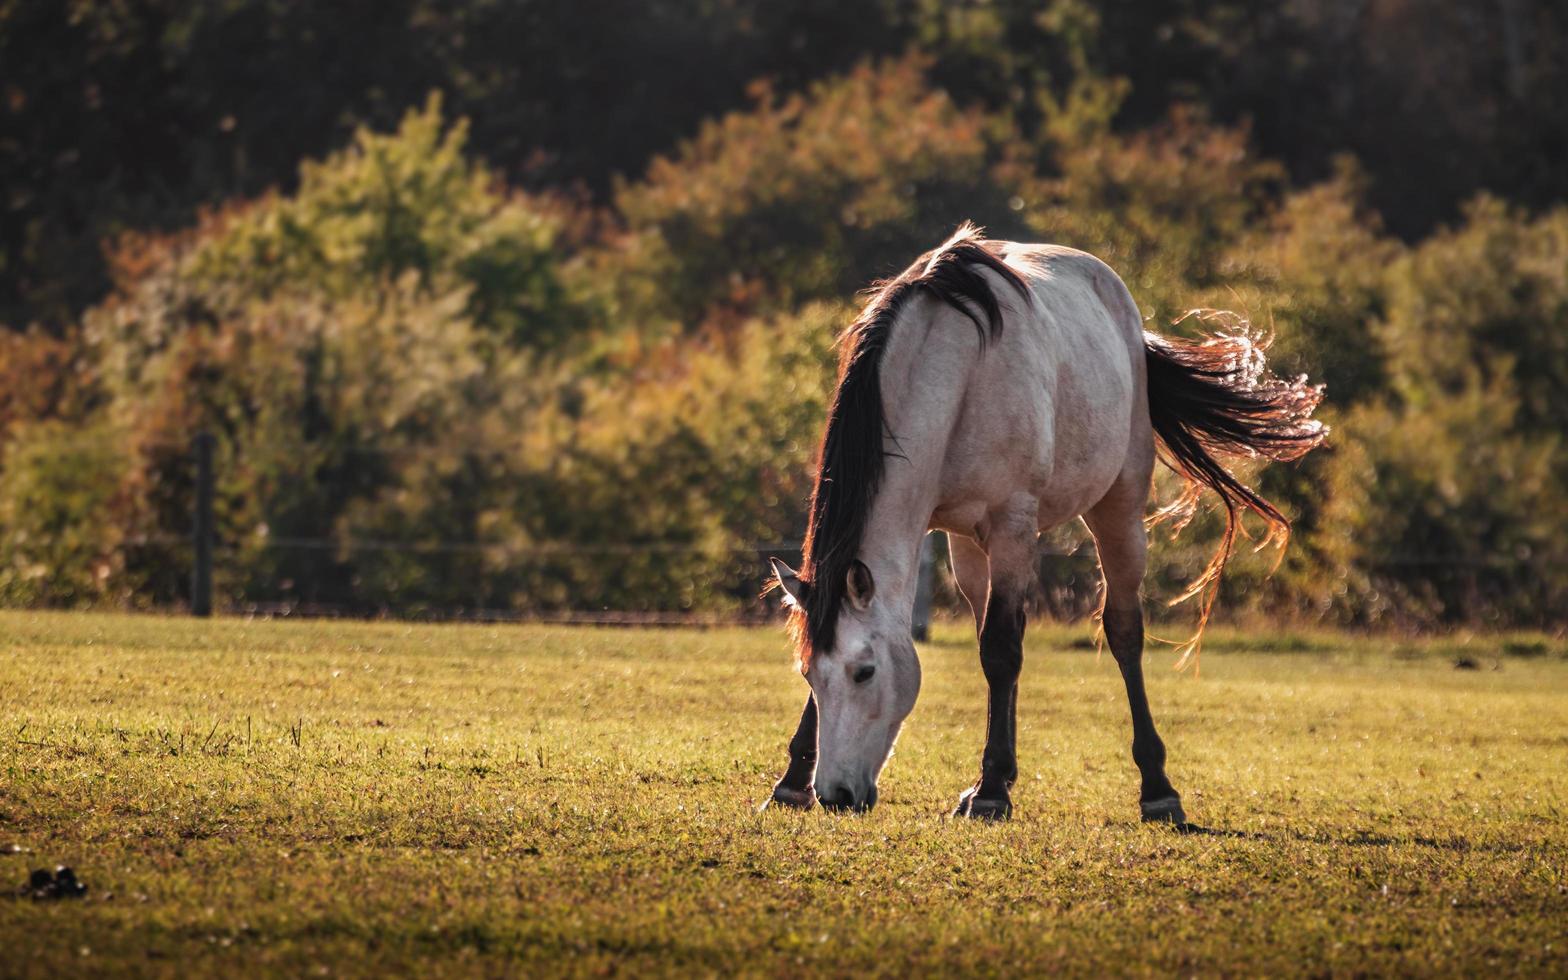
(38, 376)
(406, 204)
(1462, 514)
(65, 516)
(811, 195)
(1489, 300)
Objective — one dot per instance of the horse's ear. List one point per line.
(858, 586)
(789, 581)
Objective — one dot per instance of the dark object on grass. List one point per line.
(43, 885)
(1465, 663)
(67, 885)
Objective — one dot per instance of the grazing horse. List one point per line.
(993, 390)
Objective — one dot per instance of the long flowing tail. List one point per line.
(1215, 397)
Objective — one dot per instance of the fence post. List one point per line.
(925, 582)
(201, 528)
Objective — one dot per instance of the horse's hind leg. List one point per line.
(1117, 525)
(794, 788)
(972, 570)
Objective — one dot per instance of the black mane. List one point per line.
(851, 458)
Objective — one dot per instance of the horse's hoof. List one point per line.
(792, 799)
(1167, 810)
(979, 808)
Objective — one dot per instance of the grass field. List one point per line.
(353, 799)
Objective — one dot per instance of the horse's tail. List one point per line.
(1215, 397)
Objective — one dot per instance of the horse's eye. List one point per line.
(863, 673)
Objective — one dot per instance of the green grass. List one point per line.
(348, 798)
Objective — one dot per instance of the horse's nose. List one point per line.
(841, 798)
(838, 797)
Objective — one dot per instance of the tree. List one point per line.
(811, 196)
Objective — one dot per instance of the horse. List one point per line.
(1054, 407)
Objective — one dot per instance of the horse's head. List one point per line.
(865, 685)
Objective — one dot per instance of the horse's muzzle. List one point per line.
(842, 799)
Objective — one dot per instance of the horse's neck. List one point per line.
(925, 370)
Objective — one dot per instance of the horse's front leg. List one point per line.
(1001, 660)
(794, 789)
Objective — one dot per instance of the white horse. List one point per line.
(994, 390)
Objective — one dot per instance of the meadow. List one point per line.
(345, 798)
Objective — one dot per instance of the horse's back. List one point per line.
(1050, 269)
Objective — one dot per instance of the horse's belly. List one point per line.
(1083, 474)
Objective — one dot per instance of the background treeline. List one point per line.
(559, 336)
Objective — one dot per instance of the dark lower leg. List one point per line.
(1001, 659)
(1124, 633)
(795, 788)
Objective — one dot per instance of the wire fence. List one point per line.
(734, 571)
(1069, 581)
